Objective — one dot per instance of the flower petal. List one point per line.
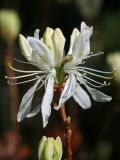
(47, 99)
(36, 33)
(81, 97)
(26, 103)
(41, 50)
(25, 47)
(47, 39)
(81, 46)
(74, 35)
(97, 95)
(68, 90)
(58, 43)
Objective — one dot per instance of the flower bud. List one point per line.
(9, 25)
(50, 149)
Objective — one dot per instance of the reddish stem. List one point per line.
(68, 131)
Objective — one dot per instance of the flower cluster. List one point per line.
(47, 54)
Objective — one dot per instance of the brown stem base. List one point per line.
(68, 133)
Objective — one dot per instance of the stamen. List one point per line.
(21, 76)
(93, 85)
(95, 54)
(30, 80)
(96, 75)
(104, 83)
(21, 71)
(17, 60)
(94, 70)
(42, 83)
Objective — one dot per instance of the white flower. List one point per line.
(77, 74)
(47, 54)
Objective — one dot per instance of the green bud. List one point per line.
(50, 149)
(57, 149)
(9, 25)
(41, 148)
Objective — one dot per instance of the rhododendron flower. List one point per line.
(47, 54)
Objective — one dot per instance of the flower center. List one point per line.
(60, 75)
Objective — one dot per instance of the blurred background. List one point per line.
(96, 131)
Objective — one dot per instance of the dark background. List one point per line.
(95, 131)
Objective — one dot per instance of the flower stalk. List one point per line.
(67, 132)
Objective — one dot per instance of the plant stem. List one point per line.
(68, 132)
(12, 89)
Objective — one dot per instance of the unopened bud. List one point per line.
(9, 25)
(50, 149)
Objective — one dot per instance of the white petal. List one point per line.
(26, 103)
(47, 99)
(74, 35)
(25, 47)
(36, 33)
(81, 46)
(83, 26)
(97, 95)
(68, 90)
(42, 50)
(81, 97)
(58, 43)
(47, 39)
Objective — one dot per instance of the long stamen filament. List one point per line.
(96, 75)
(94, 70)
(95, 54)
(23, 76)
(42, 83)
(17, 60)
(21, 71)
(104, 83)
(30, 80)
(93, 85)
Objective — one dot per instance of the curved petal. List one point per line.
(97, 95)
(81, 97)
(42, 50)
(68, 90)
(47, 39)
(58, 43)
(74, 35)
(47, 99)
(25, 47)
(26, 103)
(81, 46)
